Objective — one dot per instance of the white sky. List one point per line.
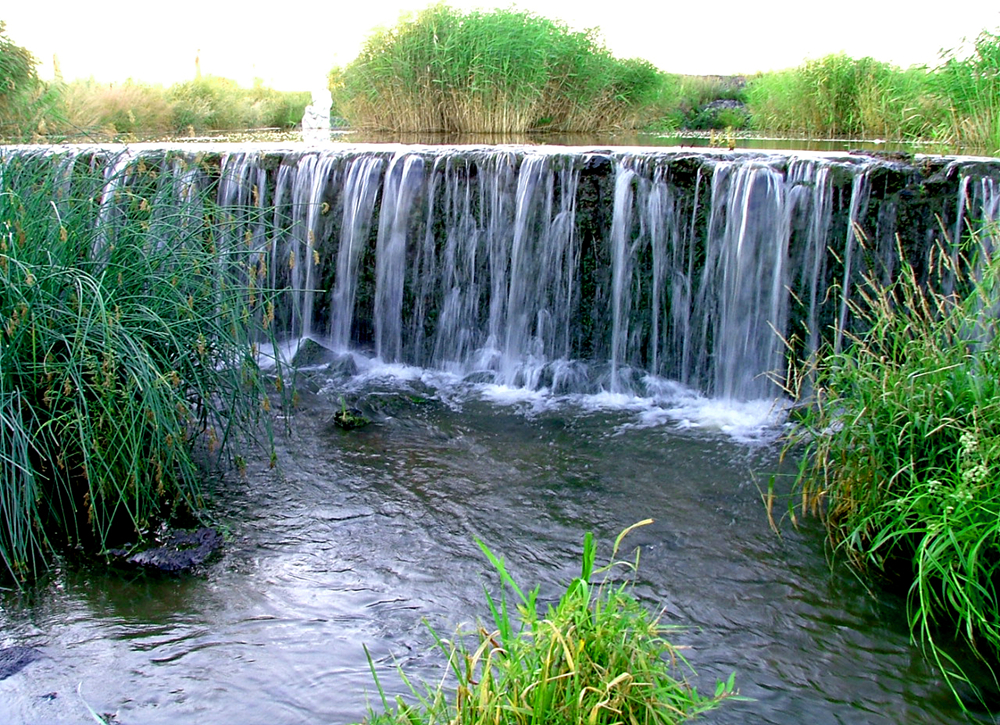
(291, 47)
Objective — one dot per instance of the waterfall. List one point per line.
(559, 269)
(360, 191)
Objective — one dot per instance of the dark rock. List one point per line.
(480, 376)
(13, 659)
(181, 551)
(721, 103)
(311, 354)
(343, 366)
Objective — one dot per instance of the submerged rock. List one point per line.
(181, 551)
(13, 659)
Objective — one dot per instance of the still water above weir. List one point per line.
(548, 342)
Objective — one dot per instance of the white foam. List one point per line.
(666, 403)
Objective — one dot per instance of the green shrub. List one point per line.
(127, 354)
(596, 656)
(902, 453)
(500, 71)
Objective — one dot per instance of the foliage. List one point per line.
(24, 99)
(597, 656)
(969, 84)
(839, 96)
(499, 71)
(132, 110)
(108, 111)
(704, 102)
(219, 104)
(127, 352)
(902, 448)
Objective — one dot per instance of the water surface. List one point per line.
(361, 538)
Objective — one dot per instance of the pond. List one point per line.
(362, 538)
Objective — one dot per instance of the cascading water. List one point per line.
(572, 271)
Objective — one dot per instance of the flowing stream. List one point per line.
(361, 537)
(547, 343)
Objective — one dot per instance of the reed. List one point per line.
(212, 103)
(969, 84)
(25, 101)
(596, 656)
(110, 111)
(902, 448)
(838, 96)
(127, 353)
(500, 71)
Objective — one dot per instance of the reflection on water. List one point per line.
(362, 536)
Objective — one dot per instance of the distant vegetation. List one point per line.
(510, 71)
(32, 110)
(501, 71)
(958, 103)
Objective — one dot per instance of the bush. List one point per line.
(127, 353)
(210, 103)
(492, 72)
(597, 656)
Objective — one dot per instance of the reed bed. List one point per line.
(969, 81)
(842, 97)
(596, 656)
(502, 71)
(128, 353)
(902, 449)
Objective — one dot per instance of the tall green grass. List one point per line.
(596, 656)
(127, 352)
(25, 102)
(838, 96)
(501, 71)
(902, 448)
(211, 103)
(969, 83)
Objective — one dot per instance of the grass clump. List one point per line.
(212, 103)
(127, 352)
(596, 656)
(969, 83)
(840, 97)
(902, 449)
(500, 71)
(25, 101)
